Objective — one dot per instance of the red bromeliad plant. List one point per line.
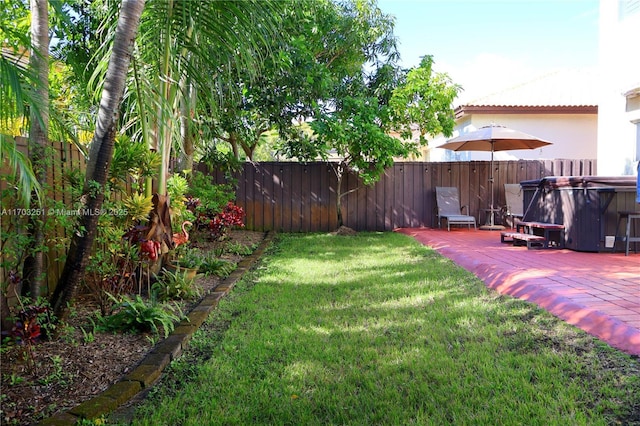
(229, 217)
(27, 330)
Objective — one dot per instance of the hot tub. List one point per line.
(587, 206)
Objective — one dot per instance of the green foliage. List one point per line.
(99, 421)
(355, 133)
(212, 265)
(58, 375)
(212, 197)
(16, 235)
(138, 207)
(132, 160)
(425, 99)
(175, 285)
(111, 266)
(21, 177)
(15, 245)
(220, 157)
(138, 315)
(239, 248)
(177, 188)
(329, 46)
(187, 256)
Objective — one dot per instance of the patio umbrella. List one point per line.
(493, 138)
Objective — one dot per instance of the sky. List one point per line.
(489, 45)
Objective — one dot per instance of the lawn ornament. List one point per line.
(181, 238)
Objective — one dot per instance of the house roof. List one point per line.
(560, 92)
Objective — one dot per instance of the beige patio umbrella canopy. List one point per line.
(493, 138)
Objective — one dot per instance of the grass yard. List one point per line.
(377, 329)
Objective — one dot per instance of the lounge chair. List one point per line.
(449, 208)
(515, 204)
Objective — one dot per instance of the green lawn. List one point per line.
(377, 329)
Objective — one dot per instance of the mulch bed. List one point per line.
(60, 374)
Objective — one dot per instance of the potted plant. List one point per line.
(186, 260)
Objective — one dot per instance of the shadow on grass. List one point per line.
(378, 329)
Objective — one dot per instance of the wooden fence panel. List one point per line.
(273, 190)
(417, 195)
(315, 198)
(293, 197)
(63, 157)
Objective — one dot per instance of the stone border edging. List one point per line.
(150, 369)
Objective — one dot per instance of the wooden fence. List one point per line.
(64, 157)
(294, 197)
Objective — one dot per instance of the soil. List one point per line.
(57, 375)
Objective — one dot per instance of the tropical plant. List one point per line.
(138, 315)
(100, 156)
(138, 207)
(225, 220)
(34, 321)
(187, 257)
(185, 51)
(177, 188)
(132, 162)
(111, 269)
(175, 285)
(16, 94)
(239, 248)
(212, 265)
(206, 198)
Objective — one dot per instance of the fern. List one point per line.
(137, 315)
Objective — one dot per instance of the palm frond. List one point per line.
(21, 171)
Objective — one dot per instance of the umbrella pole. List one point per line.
(491, 226)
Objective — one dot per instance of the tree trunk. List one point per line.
(339, 175)
(187, 131)
(33, 268)
(99, 157)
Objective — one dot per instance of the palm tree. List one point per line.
(101, 152)
(184, 49)
(38, 140)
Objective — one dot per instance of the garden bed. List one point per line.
(81, 363)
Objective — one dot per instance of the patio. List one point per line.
(597, 292)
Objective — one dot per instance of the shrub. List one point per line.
(211, 265)
(240, 249)
(188, 257)
(174, 285)
(222, 222)
(137, 315)
(206, 199)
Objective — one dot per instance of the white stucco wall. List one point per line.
(574, 136)
(619, 60)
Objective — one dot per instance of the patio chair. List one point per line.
(515, 204)
(449, 208)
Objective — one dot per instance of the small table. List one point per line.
(490, 224)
